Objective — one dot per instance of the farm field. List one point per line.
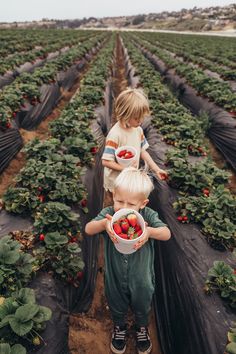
(57, 91)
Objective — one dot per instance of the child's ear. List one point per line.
(144, 203)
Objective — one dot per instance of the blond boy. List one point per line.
(130, 279)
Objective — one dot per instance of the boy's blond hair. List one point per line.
(131, 103)
(134, 181)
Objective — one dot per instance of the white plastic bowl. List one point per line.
(126, 162)
(127, 246)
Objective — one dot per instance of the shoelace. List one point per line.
(142, 335)
(119, 334)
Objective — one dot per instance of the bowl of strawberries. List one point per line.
(128, 226)
(125, 155)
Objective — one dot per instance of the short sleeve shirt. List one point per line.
(117, 137)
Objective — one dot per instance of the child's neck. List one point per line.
(125, 126)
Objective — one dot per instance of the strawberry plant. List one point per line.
(63, 255)
(16, 266)
(21, 318)
(55, 216)
(222, 278)
(19, 200)
(5, 348)
(231, 346)
(194, 177)
(37, 149)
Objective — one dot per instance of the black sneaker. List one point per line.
(118, 340)
(143, 341)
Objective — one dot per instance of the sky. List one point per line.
(29, 10)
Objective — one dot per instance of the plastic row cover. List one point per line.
(222, 131)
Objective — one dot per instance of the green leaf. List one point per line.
(44, 314)
(21, 329)
(26, 312)
(26, 296)
(231, 348)
(5, 348)
(18, 349)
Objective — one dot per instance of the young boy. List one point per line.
(129, 279)
(131, 107)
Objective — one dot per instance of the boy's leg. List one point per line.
(141, 300)
(118, 302)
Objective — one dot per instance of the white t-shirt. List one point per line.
(119, 136)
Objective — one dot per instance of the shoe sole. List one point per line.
(147, 351)
(116, 351)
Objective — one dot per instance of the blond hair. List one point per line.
(131, 103)
(134, 180)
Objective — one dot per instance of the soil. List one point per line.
(91, 332)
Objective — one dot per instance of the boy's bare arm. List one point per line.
(95, 226)
(153, 166)
(112, 165)
(159, 233)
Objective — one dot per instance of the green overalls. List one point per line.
(130, 278)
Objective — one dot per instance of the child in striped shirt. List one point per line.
(131, 107)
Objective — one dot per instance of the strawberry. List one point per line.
(8, 125)
(180, 218)
(80, 275)
(40, 189)
(41, 237)
(131, 233)
(139, 232)
(206, 192)
(41, 198)
(36, 341)
(128, 155)
(125, 236)
(122, 153)
(137, 227)
(94, 150)
(73, 239)
(163, 176)
(132, 218)
(125, 225)
(185, 218)
(83, 203)
(117, 228)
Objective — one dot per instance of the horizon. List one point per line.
(150, 7)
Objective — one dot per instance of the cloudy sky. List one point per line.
(28, 10)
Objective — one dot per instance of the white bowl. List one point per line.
(127, 246)
(126, 162)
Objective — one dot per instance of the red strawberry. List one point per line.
(125, 225)
(83, 203)
(132, 218)
(8, 125)
(41, 237)
(124, 236)
(117, 228)
(73, 239)
(80, 275)
(41, 198)
(180, 218)
(40, 189)
(122, 153)
(206, 192)
(94, 150)
(139, 232)
(137, 227)
(163, 176)
(185, 218)
(128, 155)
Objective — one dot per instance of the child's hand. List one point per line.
(143, 240)
(162, 174)
(109, 229)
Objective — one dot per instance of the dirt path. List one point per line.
(41, 132)
(91, 332)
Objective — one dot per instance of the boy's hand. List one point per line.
(143, 240)
(162, 174)
(109, 229)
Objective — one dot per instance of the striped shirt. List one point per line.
(116, 138)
